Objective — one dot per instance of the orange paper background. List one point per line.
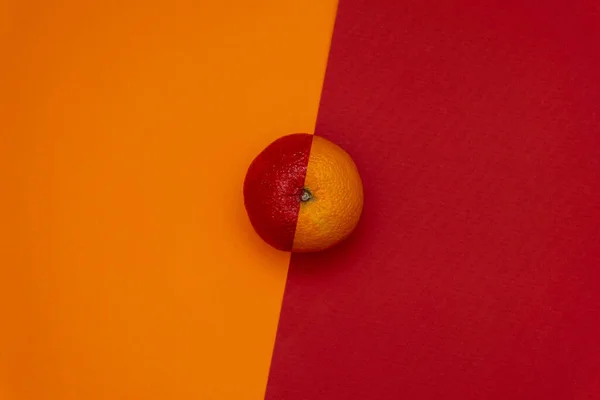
(128, 267)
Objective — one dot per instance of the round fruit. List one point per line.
(303, 193)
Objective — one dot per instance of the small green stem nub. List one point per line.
(305, 195)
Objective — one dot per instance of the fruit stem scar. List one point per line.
(305, 195)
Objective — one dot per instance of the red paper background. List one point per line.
(475, 271)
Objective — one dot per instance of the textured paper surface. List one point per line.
(475, 271)
(128, 267)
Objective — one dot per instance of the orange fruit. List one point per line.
(303, 193)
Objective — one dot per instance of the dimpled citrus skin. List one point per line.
(337, 198)
(273, 186)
